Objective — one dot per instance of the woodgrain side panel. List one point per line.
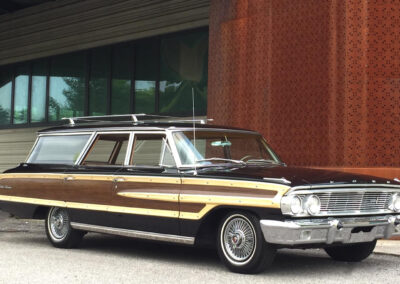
(143, 195)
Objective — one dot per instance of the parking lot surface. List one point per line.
(26, 256)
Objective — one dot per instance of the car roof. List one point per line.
(137, 126)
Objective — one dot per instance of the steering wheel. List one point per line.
(246, 157)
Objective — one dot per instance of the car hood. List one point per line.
(297, 176)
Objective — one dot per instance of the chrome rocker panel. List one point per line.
(134, 234)
(330, 230)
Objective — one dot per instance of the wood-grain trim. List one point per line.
(169, 197)
(197, 202)
(95, 207)
(229, 200)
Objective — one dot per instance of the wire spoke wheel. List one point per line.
(239, 239)
(58, 223)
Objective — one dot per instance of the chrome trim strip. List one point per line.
(30, 152)
(278, 180)
(129, 150)
(344, 185)
(174, 149)
(85, 149)
(346, 190)
(134, 234)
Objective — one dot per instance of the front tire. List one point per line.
(59, 230)
(241, 244)
(352, 252)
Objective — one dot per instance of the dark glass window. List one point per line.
(67, 86)
(107, 149)
(151, 150)
(146, 75)
(21, 94)
(38, 92)
(100, 69)
(5, 96)
(183, 68)
(121, 79)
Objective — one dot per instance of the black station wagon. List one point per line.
(191, 183)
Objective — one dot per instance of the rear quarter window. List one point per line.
(58, 149)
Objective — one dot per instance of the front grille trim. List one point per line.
(351, 201)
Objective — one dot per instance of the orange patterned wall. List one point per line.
(319, 78)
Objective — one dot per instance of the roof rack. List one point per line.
(134, 118)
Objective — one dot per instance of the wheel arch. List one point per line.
(41, 212)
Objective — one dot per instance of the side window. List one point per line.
(47, 149)
(151, 150)
(107, 149)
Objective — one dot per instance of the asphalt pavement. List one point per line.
(27, 257)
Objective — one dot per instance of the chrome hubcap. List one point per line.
(239, 239)
(58, 223)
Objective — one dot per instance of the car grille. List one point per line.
(334, 203)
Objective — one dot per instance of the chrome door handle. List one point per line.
(119, 179)
(69, 178)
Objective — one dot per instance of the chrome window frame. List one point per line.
(155, 132)
(93, 139)
(28, 160)
(168, 132)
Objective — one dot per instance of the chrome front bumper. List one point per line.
(330, 230)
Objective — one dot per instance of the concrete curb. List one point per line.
(391, 247)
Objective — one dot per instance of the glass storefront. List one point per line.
(67, 86)
(183, 71)
(155, 76)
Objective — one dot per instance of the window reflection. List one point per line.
(100, 68)
(5, 96)
(21, 95)
(165, 70)
(183, 68)
(121, 79)
(146, 74)
(67, 86)
(38, 101)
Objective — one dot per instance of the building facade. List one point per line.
(319, 79)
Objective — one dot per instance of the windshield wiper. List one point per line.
(222, 160)
(264, 161)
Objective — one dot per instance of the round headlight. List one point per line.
(394, 202)
(295, 205)
(312, 204)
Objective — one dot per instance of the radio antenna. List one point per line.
(194, 135)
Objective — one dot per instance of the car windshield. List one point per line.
(223, 148)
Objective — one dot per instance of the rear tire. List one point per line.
(352, 252)
(241, 245)
(59, 230)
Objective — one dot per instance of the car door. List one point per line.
(88, 185)
(148, 187)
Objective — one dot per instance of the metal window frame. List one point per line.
(91, 142)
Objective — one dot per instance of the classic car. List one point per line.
(191, 183)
